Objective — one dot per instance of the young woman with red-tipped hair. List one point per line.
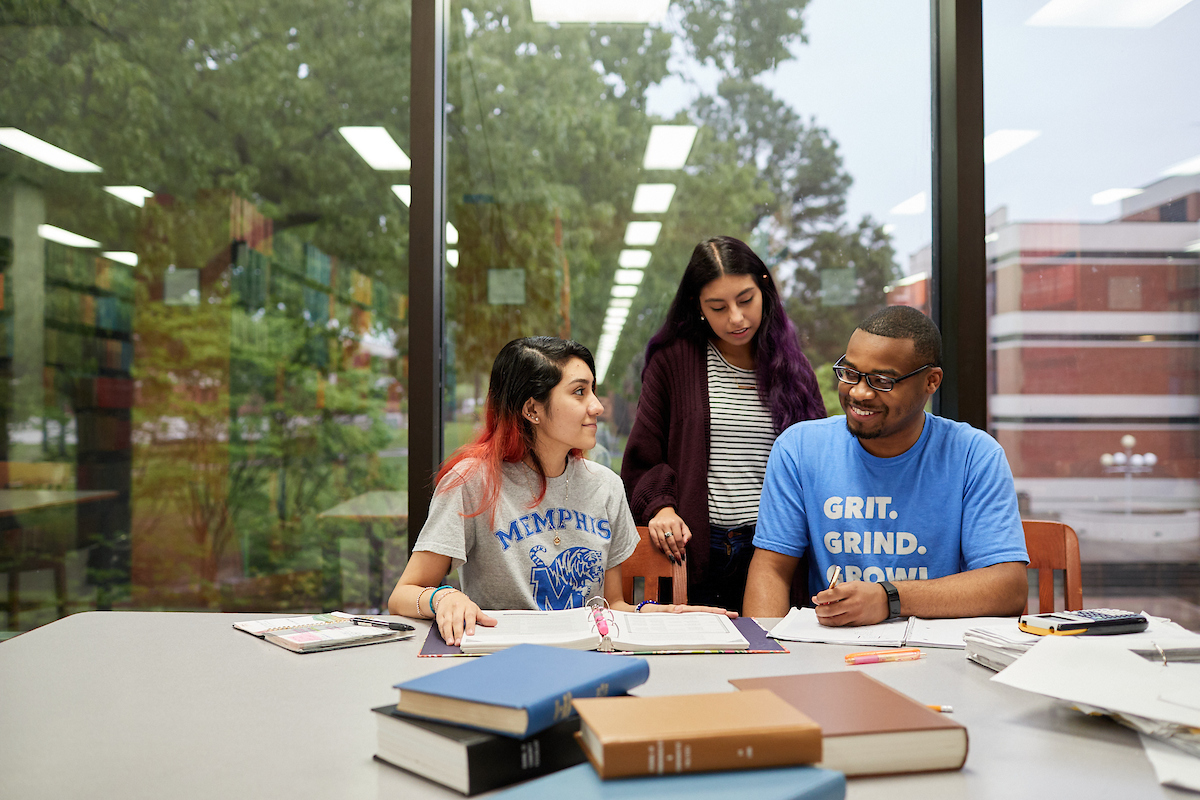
(528, 522)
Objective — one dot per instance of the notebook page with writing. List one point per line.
(800, 625)
(949, 632)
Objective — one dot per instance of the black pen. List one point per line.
(382, 623)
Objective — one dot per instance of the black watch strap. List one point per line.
(893, 597)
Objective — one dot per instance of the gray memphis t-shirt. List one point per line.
(549, 557)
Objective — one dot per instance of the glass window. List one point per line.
(589, 151)
(1093, 244)
(203, 255)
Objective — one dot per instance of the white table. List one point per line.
(128, 705)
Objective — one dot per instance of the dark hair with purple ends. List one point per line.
(787, 385)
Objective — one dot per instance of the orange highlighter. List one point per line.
(877, 656)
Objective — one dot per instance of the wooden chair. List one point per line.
(647, 562)
(1054, 546)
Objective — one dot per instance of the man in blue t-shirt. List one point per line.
(919, 512)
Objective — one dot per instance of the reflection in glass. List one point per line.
(585, 161)
(204, 305)
(1094, 280)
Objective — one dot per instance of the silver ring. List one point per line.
(668, 534)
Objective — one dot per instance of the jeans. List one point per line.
(724, 580)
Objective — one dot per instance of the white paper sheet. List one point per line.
(1173, 766)
(1101, 672)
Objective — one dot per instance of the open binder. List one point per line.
(579, 629)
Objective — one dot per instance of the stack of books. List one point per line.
(532, 710)
(493, 721)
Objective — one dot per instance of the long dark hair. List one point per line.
(787, 385)
(525, 368)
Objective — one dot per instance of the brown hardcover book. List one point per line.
(870, 728)
(630, 736)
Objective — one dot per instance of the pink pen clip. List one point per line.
(601, 622)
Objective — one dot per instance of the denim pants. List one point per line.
(724, 580)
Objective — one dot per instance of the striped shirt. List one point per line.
(740, 439)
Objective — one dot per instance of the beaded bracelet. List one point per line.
(432, 610)
(436, 606)
(419, 612)
(645, 603)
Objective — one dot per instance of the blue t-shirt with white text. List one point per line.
(945, 506)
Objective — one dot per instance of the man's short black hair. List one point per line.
(906, 322)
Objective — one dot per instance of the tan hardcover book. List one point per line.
(870, 728)
(630, 736)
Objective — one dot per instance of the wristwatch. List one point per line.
(893, 596)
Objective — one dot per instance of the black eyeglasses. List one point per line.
(880, 383)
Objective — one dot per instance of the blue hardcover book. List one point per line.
(787, 783)
(521, 690)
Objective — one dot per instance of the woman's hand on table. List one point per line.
(457, 615)
(685, 609)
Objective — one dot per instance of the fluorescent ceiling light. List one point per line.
(451, 233)
(1104, 13)
(669, 146)
(619, 303)
(642, 233)
(614, 326)
(452, 258)
(629, 277)
(609, 340)
(48, 154)
(1189, 167)
(404, 192)
(135, 195)
(1113, 195)
(913, 205)
(121, 256)
(616, 313)
(624, 291)
(54, 234)
(634, 259)
(653, 198)
(376, 146)
(638, 12)
(999, 144)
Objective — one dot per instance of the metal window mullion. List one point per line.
(426, 253)
(959, 285)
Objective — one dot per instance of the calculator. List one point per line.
(1092, 622)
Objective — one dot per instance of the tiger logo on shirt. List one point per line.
(566, 581)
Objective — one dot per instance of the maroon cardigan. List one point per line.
(666, 457)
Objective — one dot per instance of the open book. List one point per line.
(800, 625)
(576, 629)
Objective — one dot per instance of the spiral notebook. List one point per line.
(318, 632)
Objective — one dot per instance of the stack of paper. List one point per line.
(996, 645)
(1103, 674)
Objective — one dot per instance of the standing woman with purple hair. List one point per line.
(724, 376)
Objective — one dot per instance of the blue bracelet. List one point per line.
(645, 603)
(435, 591)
